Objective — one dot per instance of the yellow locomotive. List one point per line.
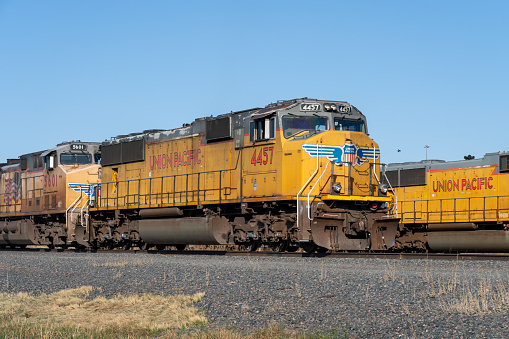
(298, 173)
(44, 195)
(453, 206)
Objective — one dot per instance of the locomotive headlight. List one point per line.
(327, 107)
(383, 188)
(333, 107)
(337, 187)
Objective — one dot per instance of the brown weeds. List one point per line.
(71, 309)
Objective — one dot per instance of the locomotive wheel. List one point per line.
(181, 247)
(79, 247)
(292, 247)
(251, 246)
(321, 249)
(50, 245)
(279, 246)
(126, 245)
(308, 247)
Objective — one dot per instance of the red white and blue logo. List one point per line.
(348, 153)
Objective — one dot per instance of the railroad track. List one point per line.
(370, 255)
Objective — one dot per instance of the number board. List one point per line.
(78, 147)
(345, 108)
(310, 107)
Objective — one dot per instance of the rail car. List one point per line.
(301, 173)
(42, 193)
(452, 206)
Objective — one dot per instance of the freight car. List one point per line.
(298, 173)
(453, 206)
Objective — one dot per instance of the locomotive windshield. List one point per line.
(71, 159)
(349, 125)
(293, 125)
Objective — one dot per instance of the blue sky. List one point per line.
(423, 72)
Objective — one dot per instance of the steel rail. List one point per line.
(364, 255)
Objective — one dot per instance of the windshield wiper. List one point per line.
(294, 134)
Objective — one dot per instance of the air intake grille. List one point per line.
(407, 177)
(504, 163)
(218, 129)
(123, 153)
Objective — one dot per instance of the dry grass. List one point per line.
(266, 333)
(480, 297)
(462, 294)
(123, 262)
(389, 271)
(71, 312)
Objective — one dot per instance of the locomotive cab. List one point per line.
(335, 132)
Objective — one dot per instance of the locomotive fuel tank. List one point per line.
(210, 230)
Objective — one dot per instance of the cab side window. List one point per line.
(50, 161)
(262, 129)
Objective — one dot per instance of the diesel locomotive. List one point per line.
(452, 206)
(301, 173)
(42, 193)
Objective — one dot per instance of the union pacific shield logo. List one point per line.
(348, 153)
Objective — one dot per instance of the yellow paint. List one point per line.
(83, 174)
(186, 172)
(472, 194)
(47, 191)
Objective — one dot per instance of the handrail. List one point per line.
(448, 210)
(312, 188)
(307, 182)
(184, 195)
(71, 206)
(87, 202)
(393, 192)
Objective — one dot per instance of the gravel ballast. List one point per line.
(358, 298)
